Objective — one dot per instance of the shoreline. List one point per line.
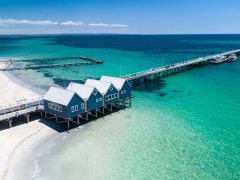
(14, 140)
(21, 82)
(13, 90)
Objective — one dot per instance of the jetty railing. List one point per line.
(90, 61)
(52, 59)
(176, 67)
(20, 105)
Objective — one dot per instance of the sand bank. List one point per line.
(14, 141)
(11, 92)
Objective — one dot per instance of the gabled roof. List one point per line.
(117, 82)
(101, 86)
(59, 95)
(83, 91)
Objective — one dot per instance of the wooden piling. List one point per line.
(68, 123)
(96, 113)
(10, 123)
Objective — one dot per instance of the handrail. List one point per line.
(178, 64)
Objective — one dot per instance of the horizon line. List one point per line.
(47, 34)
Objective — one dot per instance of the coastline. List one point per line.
(14, 141)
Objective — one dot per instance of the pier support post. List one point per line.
(130, 102)
(56, 119)
(28, 117)
(78, 120)
(68, 123)
(87, 116)
(111, 107)
(41, 113)
(96, 113)
(45, 115)
(10, 123)
(103, 110)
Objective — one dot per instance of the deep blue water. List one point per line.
(183, 127)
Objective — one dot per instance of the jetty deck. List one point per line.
(90, 61)
(155, 73)
(52, 59)
(20, 110)
(23, 109)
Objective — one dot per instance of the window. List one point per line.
(60, 108)
(121, 92)
(76, 108)
(100, 99)
(124, 91)
(95, 92)
(73, 109)
(109, 97)
(115, 95)
(97, 100)
(49, 105)
(111, 88)
(54, 107)
(112, 96)
(106, 98)
(82, 106)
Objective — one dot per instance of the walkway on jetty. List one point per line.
(165, 71)
(90, 61)
(20, 110)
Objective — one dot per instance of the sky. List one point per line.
(120, 16)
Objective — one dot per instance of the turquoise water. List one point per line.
(183, 127)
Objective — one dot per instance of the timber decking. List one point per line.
(90, 61)
(160, 72)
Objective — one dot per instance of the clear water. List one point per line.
(183, 127)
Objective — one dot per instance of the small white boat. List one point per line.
(232, 57)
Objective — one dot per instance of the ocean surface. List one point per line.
(185, 126)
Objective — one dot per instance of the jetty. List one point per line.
(21, 109)
(54, 102)
(142, 77)
(89, 61)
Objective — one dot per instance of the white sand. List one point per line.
(11, 92)
(14, 143)
(14, 140)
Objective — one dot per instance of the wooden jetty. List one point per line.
(25, 108)
(165, 71)
(52, 59)
(22, 109)
(90, 61)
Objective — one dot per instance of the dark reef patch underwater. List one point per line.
(182, 127)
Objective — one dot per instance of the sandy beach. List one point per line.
(14, 141)
(11, 92)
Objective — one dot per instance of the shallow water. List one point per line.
(183, 127)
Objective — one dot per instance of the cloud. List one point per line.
(15, 21)
(1, 24)
(72, 23)
(107, 25)
(8, 22)
(119, 25)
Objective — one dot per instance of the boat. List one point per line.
(232, 57)
(219, 59)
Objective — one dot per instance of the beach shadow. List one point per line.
(65, 82)
(51, 122)
(18, 121)
(149, 87)
(62, 127)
